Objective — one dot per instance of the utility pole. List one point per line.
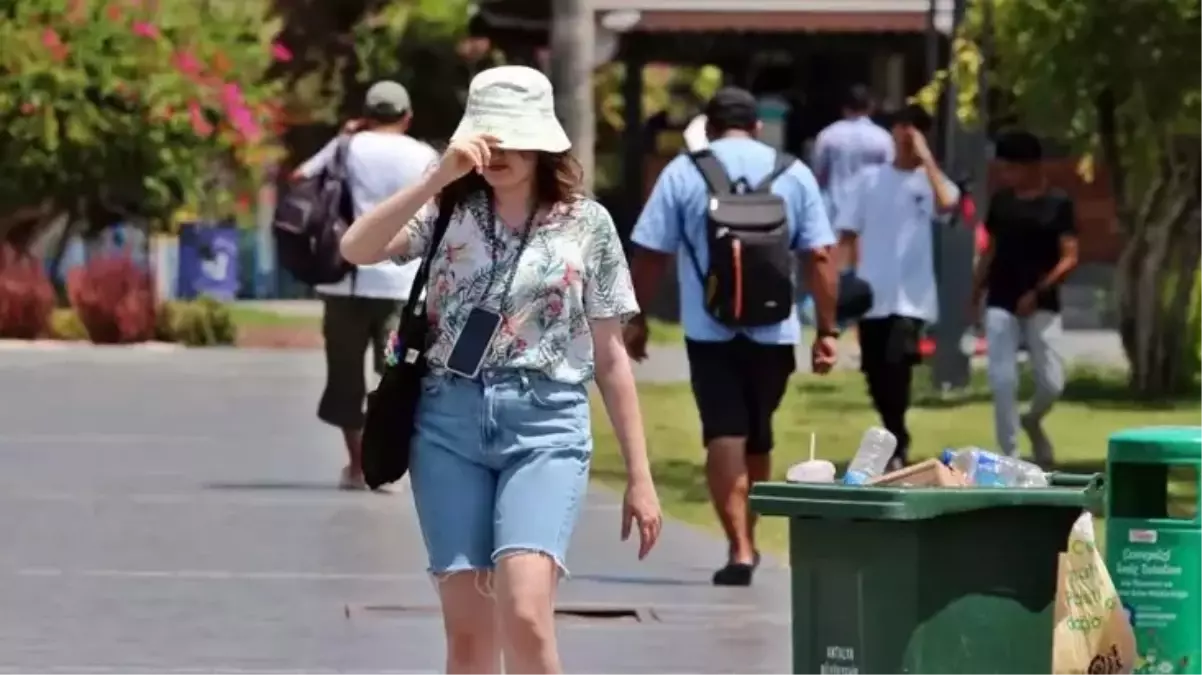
(952, 365)
(572, 47)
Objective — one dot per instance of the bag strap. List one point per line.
(718, 183)
(417, 291)
(784, 161)
(712, 172)
(341, 150)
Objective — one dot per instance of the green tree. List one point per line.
(136, 106)
(342, 46)
(419, 44)
(1119, 81)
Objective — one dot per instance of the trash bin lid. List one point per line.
(1156, 445)
(857, 502)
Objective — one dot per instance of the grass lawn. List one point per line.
(252, 317)
(837, 410)
(662, 332)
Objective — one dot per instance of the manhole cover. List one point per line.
(608, 614)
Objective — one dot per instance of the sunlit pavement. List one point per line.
(174, 511)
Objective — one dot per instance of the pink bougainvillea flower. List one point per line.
(280, 52)
(187, 63)
(245, 124)
(54, 44)
(51, 39)
(231, 95)
(196, 116)
(113, 11)
(145, 30)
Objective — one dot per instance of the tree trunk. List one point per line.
(1156, 272)
(572, 43)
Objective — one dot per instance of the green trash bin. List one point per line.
(1154, 542)
(924, 580)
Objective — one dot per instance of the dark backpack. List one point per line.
(310, 221)
(750, 277)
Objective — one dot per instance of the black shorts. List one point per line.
(738, 386)
(889, 341)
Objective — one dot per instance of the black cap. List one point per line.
(913, 115)
(857, 99)
(1019, 147)
(732, 108)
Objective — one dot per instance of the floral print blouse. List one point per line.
(572, 270)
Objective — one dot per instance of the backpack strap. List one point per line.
(341, 150)
(784, 161)
(712, 171)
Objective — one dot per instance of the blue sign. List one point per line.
(208, 261)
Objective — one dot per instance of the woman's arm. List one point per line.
(381, 233)
(615, 379)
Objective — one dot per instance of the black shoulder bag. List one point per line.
(392, 407)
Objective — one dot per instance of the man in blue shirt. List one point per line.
(739, 375)
(847, 146)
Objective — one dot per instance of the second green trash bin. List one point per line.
(923, 580)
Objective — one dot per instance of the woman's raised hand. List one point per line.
(466, 154)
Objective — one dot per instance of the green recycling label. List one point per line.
(1156, 573)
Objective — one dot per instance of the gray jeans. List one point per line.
(1005, 332)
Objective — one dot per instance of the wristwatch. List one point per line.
(830, 332)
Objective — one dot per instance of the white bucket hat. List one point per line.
(515, 104)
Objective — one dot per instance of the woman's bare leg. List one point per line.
(525, 595)
(470, 620)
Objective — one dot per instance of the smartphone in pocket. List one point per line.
(472, 344)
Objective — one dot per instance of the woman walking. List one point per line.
(527, 294)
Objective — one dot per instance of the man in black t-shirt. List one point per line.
(1032, 248)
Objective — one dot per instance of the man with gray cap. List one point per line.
(361, 310)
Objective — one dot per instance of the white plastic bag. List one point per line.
(1092, 632)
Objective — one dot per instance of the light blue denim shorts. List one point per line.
(500, 465)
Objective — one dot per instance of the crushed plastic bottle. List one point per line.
(876, 449)
(988, 469)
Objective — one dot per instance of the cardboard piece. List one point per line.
(930, 473)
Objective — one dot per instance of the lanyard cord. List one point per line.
(495, 246)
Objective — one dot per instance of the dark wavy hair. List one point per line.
(558, 178)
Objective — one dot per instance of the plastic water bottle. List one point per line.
(987, 469)
(876, 449)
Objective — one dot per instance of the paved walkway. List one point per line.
(168, 511)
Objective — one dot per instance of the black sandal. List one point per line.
(737, 574)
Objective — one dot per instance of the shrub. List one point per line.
(65, 325)
(113, 299)
(1193, 342)
(198, 323)
(26, 296)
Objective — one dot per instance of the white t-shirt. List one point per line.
(378, 164)
(893, 212)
